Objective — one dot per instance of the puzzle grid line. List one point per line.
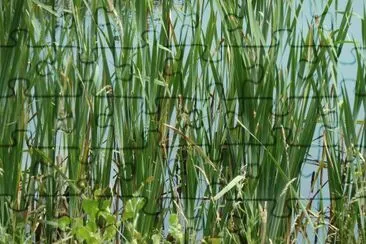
(12, 94)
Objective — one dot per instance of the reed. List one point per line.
(179, 121)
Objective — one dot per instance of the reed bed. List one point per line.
(180, 122)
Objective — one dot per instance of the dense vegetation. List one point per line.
(180, 121)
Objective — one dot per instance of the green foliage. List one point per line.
(175, 228)
(97, 226)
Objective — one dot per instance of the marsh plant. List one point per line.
(180, 122)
